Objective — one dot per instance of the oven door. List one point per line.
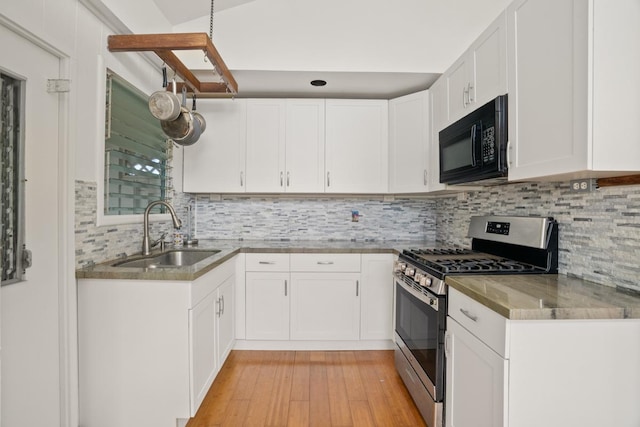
(420, 327)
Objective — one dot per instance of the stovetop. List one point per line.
(456, 260)
(499, 245)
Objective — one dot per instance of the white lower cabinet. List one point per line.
(299, 298)
(325, 306)
(267, 302)
(476, 378)
(531, 373)
(149, 349)
(376, 297)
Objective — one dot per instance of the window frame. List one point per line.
(21, 178)
(101, 218)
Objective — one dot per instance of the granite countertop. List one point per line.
(547, 296)
(230, 248)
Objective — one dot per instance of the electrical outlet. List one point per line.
(583, 185)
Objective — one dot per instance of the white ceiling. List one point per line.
(178, 13)
(288, 81)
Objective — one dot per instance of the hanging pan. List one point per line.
(185, 129)
(164, 105)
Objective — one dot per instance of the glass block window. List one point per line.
(11, 178)
(137, 153)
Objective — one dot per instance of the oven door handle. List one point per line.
(431, 302)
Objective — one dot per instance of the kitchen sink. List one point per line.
(169, 259)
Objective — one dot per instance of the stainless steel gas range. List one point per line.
(499, 245)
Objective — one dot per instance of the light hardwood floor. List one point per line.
(308, 388)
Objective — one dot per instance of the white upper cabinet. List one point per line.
(480, 74)
(285, 145)
(356, 147)
(304, 172)
(216, 163)
(266, 121)
(438, 107)
(409, 143)
(574, 83)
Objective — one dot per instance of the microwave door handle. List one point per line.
(473, 145)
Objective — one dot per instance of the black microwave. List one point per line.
(475, 147)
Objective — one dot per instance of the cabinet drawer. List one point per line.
(267, 262)
(325, 262)
(484, 323)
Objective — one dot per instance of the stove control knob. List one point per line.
(410, 271)
(426, 282)
(400, 266)
(418, 277)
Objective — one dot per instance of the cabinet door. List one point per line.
(458, 83)
(376, 293)
(409, 143)
(438, 110)
(356, 146)
(325, 306)
(265, 145)
(305, 146)
(267, 302)
(216, 163)
(225, 321)
(488, 55)
(476, 381)
(202, 329)
(548, 88)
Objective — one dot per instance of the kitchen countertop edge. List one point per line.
(547, 297)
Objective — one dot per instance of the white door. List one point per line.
(477, 378)
(30, 373)
(267, 305)
(325, 306)
(305, 146)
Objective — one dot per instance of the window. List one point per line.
(137, 153)
(12, 178)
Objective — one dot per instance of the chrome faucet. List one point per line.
(146, 249)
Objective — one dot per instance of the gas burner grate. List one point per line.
(479, 265)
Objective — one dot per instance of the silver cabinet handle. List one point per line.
(469, 315)
(266, 262)
(357, 288)
(469, 89)
(509, 148)
(222, 298)
(241, 179)
(464, 97)
(447, 344)
(325, 262)
(285, 288)
(281, 178)
(328, 180)
(288, 179)
(425, 177)
(219, 310)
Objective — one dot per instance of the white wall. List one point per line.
(346, 35)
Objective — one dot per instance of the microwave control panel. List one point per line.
(489, 145)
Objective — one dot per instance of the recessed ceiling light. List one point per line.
(318, 82)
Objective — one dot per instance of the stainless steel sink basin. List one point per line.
(169, 259)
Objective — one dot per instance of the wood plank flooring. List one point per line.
(308, 388)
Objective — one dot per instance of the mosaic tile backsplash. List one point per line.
(599, 232)
(237, 217)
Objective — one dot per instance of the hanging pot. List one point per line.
(165, 105)
(185, 129)
(203, 122)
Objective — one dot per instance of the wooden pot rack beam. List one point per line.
(164, 44)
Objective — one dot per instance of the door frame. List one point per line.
(67, 298)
